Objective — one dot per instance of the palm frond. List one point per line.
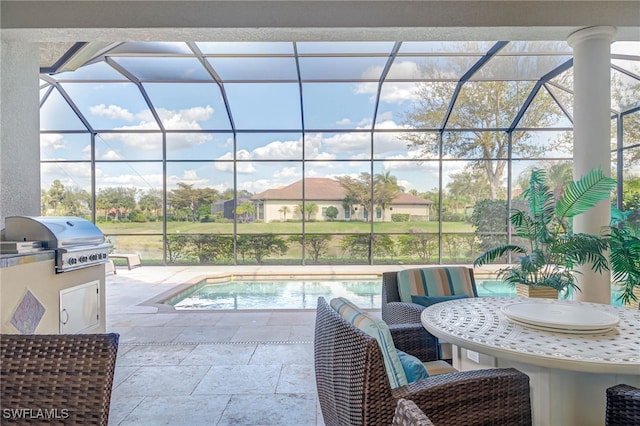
(582, 249)
(539, 194)
(497, 252)
(579, 196)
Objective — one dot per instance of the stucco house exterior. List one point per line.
(281, 204)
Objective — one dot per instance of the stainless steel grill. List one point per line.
(78, 243)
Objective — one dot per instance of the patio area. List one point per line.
(214, 368)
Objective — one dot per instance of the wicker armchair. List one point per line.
(394, 311)
(57, 378)
(353, 388)
(623, 406)
(408, 414)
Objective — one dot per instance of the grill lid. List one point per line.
(56, 232)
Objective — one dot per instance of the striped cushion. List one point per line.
(377, 329)
(435, 281)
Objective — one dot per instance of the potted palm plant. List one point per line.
(550, 250)
(624, 245)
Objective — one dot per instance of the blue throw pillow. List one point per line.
(430, 300)
(412, 366)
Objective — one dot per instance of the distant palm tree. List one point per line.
(311, 209)
(284, 210)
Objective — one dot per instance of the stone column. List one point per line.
(592, 139)
(19, 129)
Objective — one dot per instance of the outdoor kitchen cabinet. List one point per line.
(80, 308)
(35, 273)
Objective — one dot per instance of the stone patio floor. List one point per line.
(211, 368)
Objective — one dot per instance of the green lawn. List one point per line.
(112, 228)
(146, 239)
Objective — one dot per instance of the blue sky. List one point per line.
(116, 104)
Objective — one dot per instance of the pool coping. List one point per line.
(159, 301)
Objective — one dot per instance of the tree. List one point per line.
(284, 210)
(261, 246)
(310, 209)
(210, 248)
(246, 211)
(480, 105)
(175, 247)
(56, 194)
(358, 192)
(118, 200)
(315, 245)
(190, 199)
(76, 202)
(559, 175)
(489, 218)
(357, 245)
(385, 190)
(467, 187)
(331, 213)
(151, 202)
(418, 244)
(625, 93)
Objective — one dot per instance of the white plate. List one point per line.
(564, 330)
(561, 316)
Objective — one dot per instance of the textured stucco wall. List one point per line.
(19, 130)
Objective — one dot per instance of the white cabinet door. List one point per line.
(80, 307)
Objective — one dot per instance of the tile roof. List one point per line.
(325, 189)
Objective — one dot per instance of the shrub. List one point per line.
(400, 217)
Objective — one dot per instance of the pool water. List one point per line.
(277, 294)
(302, 294)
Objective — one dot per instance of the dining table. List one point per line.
(572, 351)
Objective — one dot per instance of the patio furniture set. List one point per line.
(368, 371)
(351, 362)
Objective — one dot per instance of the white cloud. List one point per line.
(256, 186)
(185, 119)
(397, 93)
(73, 170)
(76, 175)
(241, 167)
(190, 177)
(343, 122)
(180, 141)
(393, 92)
(144, 141)
(341, 142)
(385, 116)
(272, 150)
(112, 111)
(52, 141)
(132, 180)
(277, 150)
(111, 155)
(290, 173)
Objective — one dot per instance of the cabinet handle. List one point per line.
(64, 311)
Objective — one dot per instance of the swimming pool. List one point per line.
(301, 293)
(277, 294)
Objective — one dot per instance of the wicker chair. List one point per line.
(57, 378)
(623, 406)
(408, 414)
(353, 387)
(394, 311)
